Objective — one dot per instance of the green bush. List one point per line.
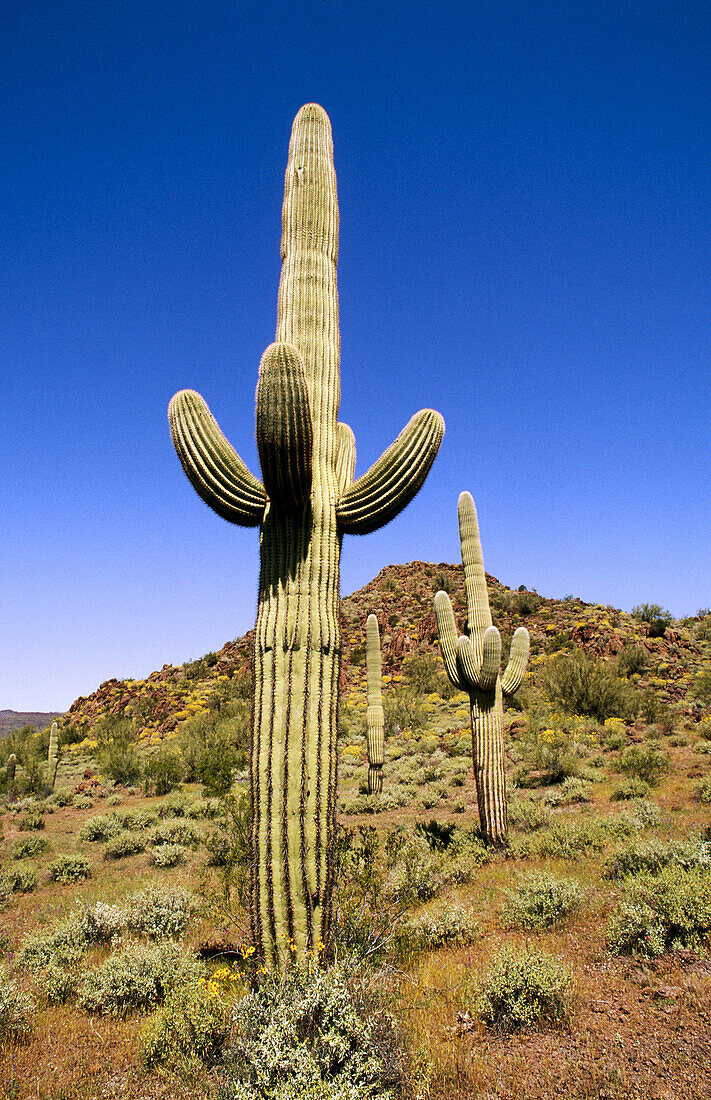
(54, 985)
(167, 855)
(312, 1034)
(124, 844)
(703, 728)
(523, 988)
(581, 685)
(61, 796)
(632, 659)
(632, 788)
(82, 802)
(654, 855)
(16, 1012)
(20, 880)
(119, 759)
(64, 945)
(157, 912)
(191, 1026)
(679, 902)
(66, 869)
(136, 819)
(574, 790)
(26, 847)
(403, 710)
(100, 828)
(541, 901)
(701, 687)
(137, 977)
(176, 831)
(528, 815)
(702, 792)
(635, 929)
(657, 618)
(176, 805)
(162, 772)
(31, 819)
(416, 873)
(644, 762)
(442, 928)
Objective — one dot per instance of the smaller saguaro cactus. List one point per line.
(11, 766)
(375, 718)
(473, 663)
(53, 754)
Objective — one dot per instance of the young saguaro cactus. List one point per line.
(53, 754)
(473, 665)
(11, 767)
(307, 500)
(375, 717)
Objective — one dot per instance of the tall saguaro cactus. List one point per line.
(473, 665)
(306, 501)
(53, 754)
(375, 718)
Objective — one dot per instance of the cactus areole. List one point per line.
(306, 501)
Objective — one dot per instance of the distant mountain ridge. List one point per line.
(11, 720)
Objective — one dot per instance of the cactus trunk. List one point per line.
(53, 755)
(308, 499)
(375, 718)
(473, 665)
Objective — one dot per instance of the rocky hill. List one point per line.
(11, 720)
(402, 598)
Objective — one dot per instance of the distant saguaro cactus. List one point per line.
(53, 755)
(305, 503)
(11, 767)
(473, 664)
(375, 718)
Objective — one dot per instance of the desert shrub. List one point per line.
(136, 819)
(570, 840)
(167, 855)
(631, 788)
(175, 805)
(703, 728)
(701, 686)
(678, 740)
(28, 846)
(67, 868)
(213, 745)
(312, 1033)
(102, 923)
(574, 790)
(423, 672)
(20, 880)
(525, 603)
(541, 901)
(31, 819)
(119, 759)
(137, 977)
(61, 796)
(157, 912)
(190, 1026)
(645, 812)
(54, 985)
(652, 856)
(203, 808)
(16, 1012)
(657, 618)
(703, 747)
(63, 945)
(114, 799)
(521, 989)
(528, 814)
(631, 659)
(615, 739)
(100, 828)
(675, 906)
(644, 762)
(442, 928)
(124, 844)
(581, 685)
(416, 873)
(162, 772)
(82, 802)
(176, 831)
(702, 791)
(403, 710)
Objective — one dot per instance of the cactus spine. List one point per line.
(375, 718)
(11, 766)
(473, 665)
(306, 501)
(53, 755)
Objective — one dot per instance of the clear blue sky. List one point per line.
(525, 246)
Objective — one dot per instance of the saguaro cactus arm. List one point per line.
(391, 482)
(214, 468)
(345, 457)
(285, 437)
(516, 668)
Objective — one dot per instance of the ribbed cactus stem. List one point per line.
(11, 767)
(53, 754)
(473, 665)
(375, 716)
(308, 498)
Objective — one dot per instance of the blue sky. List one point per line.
(525, 241)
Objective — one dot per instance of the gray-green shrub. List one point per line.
(523, 988)
(124, 844)
(68, 868)
(541, 901)
(16, 1012)
(137, 976)
(191, 1026)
